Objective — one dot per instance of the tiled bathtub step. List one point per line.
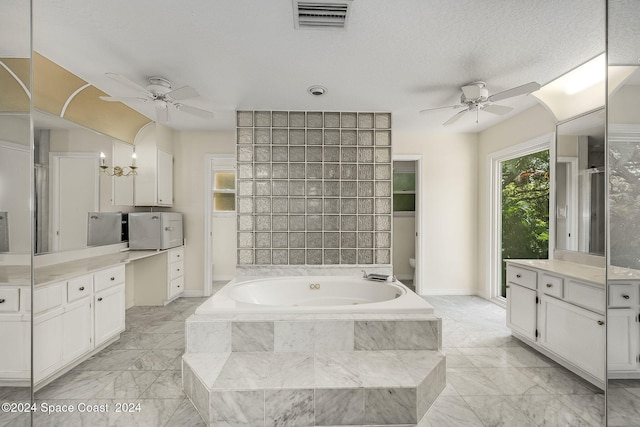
(322, 388)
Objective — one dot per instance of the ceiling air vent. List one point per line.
(321, 14)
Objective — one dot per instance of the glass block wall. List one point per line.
(314, 188)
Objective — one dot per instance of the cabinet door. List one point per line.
(109, 314)
(622, 339)
(77, 325)
(15, 358)
(573, 333)
(47, 345)
(165, 178)
(521, 310)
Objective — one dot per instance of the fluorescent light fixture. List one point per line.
(585, 76)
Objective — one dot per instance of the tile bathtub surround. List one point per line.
(313, 173)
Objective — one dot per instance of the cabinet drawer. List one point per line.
(176, 254)
(79, 288)
(176, 269)
(522, 276)
(623, 295)
(551, 285)
(588, 296)
(48, 297)
(107, 278)
(9, 300)
(176, 287)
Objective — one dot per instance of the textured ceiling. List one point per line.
(398, 56)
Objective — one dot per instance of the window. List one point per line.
(404, 187)
(224, 186)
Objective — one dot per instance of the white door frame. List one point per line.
(494, 250)
(419, 216)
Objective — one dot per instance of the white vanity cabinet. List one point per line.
(522, 301)
(623, 329)
(159, 279)
(153, 185)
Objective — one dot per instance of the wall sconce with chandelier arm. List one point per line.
(118, 170)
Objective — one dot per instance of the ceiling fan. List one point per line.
(160, 92)
(475, 97)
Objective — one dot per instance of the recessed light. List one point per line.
(317, 90)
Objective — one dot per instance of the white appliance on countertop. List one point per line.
(155, 230)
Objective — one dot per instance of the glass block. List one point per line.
(331, 171)
(314, 206)
(383, 240)
(383, 120)
(331, 240)
(383, 223)
(280, 136)
(314, 222)
(348, 240)
(296, 154)
(314, 120)
(349, 137)
(365, 155)
(263, 136)
(349, 120)
(296, 206)
(365, 189)
(365, 222)
(280, 223)
(365, 171)
(331, 222)
(297, 222)
(331, 188)
(314, 137)
(245, 118)
(280, 205)
(348, 223)
(332, 120)
(365, 256)
(245, 223)
(383, 155)
(262, 153)
(314, 171)
(280, 256)
(245, 240)
(280, 240)
(383, 188)
(348, 256)
(314, 188)
(331, 206)
(280, 170)
(314, 256)
(280, 188)
(262, 170)
(297, 170)
(263, 205)
(314, 240)
(349, 206)
(245, 256)
(365, 120)
(383, 137)
(383, 171)
(365, 240)
(245, 171)
(349, 154)
(365, 137)
(296, 188)
(245, 136)
(296, 137)
(331, 137)
(280, 154)
(383, 206)
(331, 154)
(365, 206)
(296, 119)
(245, 188)
(348, 171)
(348, 189)
(296, 256)
(263, 240)
(383, 256)
(245, 205)
(331, 256)
(263, 256)
(296, 240)
(263, 222)
(314, 154)
(263, 118)
(280, 119)
(245, 154)
(263, 188)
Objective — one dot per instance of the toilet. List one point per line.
(412, 263)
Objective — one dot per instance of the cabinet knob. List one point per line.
(1, 300)
(549, 285)
(625, 296)
(178, 286)
(178, 269)
(81, 288)
(100, 299)
(518, 276)
(507, 286)
(112, 279)
(600, 322)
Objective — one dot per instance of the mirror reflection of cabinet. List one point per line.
(153, 186)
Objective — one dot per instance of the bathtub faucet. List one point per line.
(364, 274)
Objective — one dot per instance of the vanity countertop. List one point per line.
(577, 271)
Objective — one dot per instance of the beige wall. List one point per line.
(403, 246)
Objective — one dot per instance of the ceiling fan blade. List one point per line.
(441, 108)
(123, 99)
(455, 117)
(125, 81)
(497, 109)
(183, 92)
(195, 111)
(516, 91)
(162, 112)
